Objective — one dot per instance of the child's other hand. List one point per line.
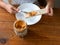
(11, 9)
(49, 10)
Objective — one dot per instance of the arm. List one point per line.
(49, 7)
(50, 3)
(2, 4)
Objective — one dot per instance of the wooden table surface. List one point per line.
(45, 32)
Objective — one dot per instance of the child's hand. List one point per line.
(49, 10)
(11, 9)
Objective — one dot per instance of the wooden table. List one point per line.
(45, 32)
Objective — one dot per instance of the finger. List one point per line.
(51, 12)
(14, 9)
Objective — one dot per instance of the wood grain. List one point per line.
(45, 32)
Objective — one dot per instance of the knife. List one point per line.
(39, 12)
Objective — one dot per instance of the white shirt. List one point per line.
(20, 1)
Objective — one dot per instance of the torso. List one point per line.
(19, 1)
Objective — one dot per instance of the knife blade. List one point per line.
(39, 12)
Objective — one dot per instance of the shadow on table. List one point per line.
(32, 35)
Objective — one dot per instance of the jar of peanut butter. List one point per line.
(20, 28)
